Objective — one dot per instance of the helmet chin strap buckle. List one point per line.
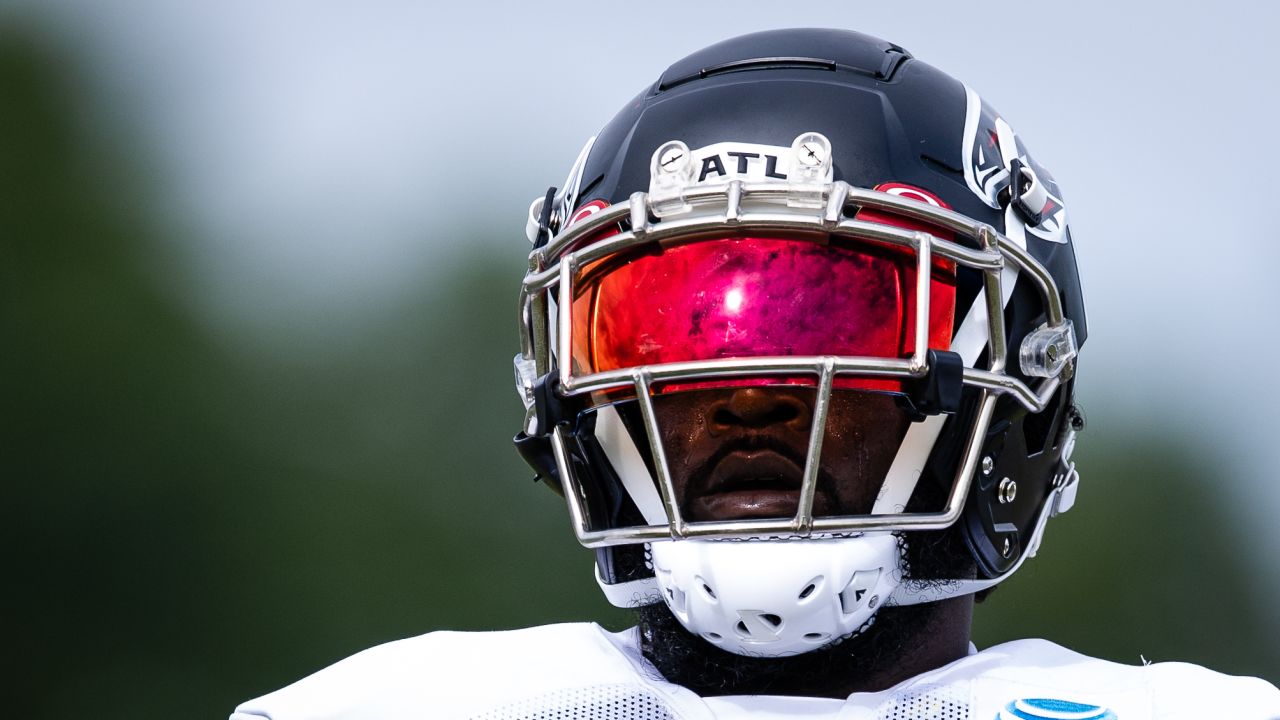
(940, 390)
(542, 233)
(534, 446)
(536, 451)
(1026, 193)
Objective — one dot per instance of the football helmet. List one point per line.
(819, 211)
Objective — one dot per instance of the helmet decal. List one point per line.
(586, 211)
(727, 161)
(992, 153)
(913, 192)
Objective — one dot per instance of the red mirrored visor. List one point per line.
(755, 297)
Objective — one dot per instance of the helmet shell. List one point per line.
(890, 119)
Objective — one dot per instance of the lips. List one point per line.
(750, 484)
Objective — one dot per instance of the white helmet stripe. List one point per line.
(625, 457)
(907, 465)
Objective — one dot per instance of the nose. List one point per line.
(758, 408)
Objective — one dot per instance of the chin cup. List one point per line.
(773, 598)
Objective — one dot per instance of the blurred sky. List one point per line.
(319, 160)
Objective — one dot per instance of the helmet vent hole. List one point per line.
(714, 637)
(810, 588)
(772, 619)
(816, 637)
(705, 587)
(741, 627)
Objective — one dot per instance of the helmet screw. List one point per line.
(672, 158)
(1076, 417)
(811, 153)
(988, 465)
(1007, 491)
(812, 150)
(1007, 550)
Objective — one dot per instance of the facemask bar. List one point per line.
(740, 206)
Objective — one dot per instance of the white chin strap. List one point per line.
(774, 598)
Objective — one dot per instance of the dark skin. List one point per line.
(739, 453)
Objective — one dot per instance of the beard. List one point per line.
(686, 659)
(872, 659)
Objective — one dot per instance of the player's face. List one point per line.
(739, 453)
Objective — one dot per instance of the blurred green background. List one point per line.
(200, 513)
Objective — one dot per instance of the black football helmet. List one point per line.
(819, 209)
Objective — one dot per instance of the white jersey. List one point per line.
(582, 672)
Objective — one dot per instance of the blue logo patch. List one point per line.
(1049, 709)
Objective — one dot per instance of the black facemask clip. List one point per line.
(939, 391)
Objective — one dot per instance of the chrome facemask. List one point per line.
(675, 209)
